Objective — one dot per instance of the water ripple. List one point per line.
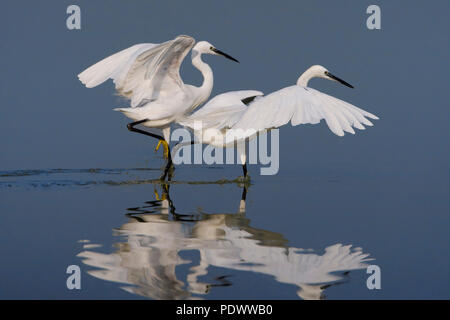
(50, 178)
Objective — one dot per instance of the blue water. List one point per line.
(134, 237)
(77, 188)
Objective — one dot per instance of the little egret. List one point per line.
(226, 119)
(148, 74)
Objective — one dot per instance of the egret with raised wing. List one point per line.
(236, 116)
(148, 74)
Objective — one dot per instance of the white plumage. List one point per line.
(148, 74)
(303, 105)
(226, 120)
(298, 104)
(222, 111)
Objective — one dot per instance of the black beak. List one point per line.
(338, 80)
(224, 54)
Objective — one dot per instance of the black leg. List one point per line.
(244, 193)
(168, 170)
(131, 127)
(244, 168)
(169, 164)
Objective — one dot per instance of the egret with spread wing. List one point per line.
(226, 119)
(148, 74)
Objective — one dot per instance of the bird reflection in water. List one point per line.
(156, 234)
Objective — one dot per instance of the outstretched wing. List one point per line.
(222, 111)
(142, 72)
(300, 105)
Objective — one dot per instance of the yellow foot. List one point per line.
(157, 197)
(166, 148)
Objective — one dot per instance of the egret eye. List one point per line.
(211, 48)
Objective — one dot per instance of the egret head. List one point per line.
(319, 72)
(208, 48)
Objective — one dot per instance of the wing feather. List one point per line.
(142, 72)
(222, 111)
(112, 67)
(300, 105)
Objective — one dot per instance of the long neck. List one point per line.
(208, 79)
(305, 77)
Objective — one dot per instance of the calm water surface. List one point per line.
(77, 188)
(134, 237)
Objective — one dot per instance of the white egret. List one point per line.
(226, 119)
(148, 74)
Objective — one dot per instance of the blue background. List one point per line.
(385, 189)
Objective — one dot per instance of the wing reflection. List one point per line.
(156, 234)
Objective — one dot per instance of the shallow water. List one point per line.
(77, 188)
(135, 237)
